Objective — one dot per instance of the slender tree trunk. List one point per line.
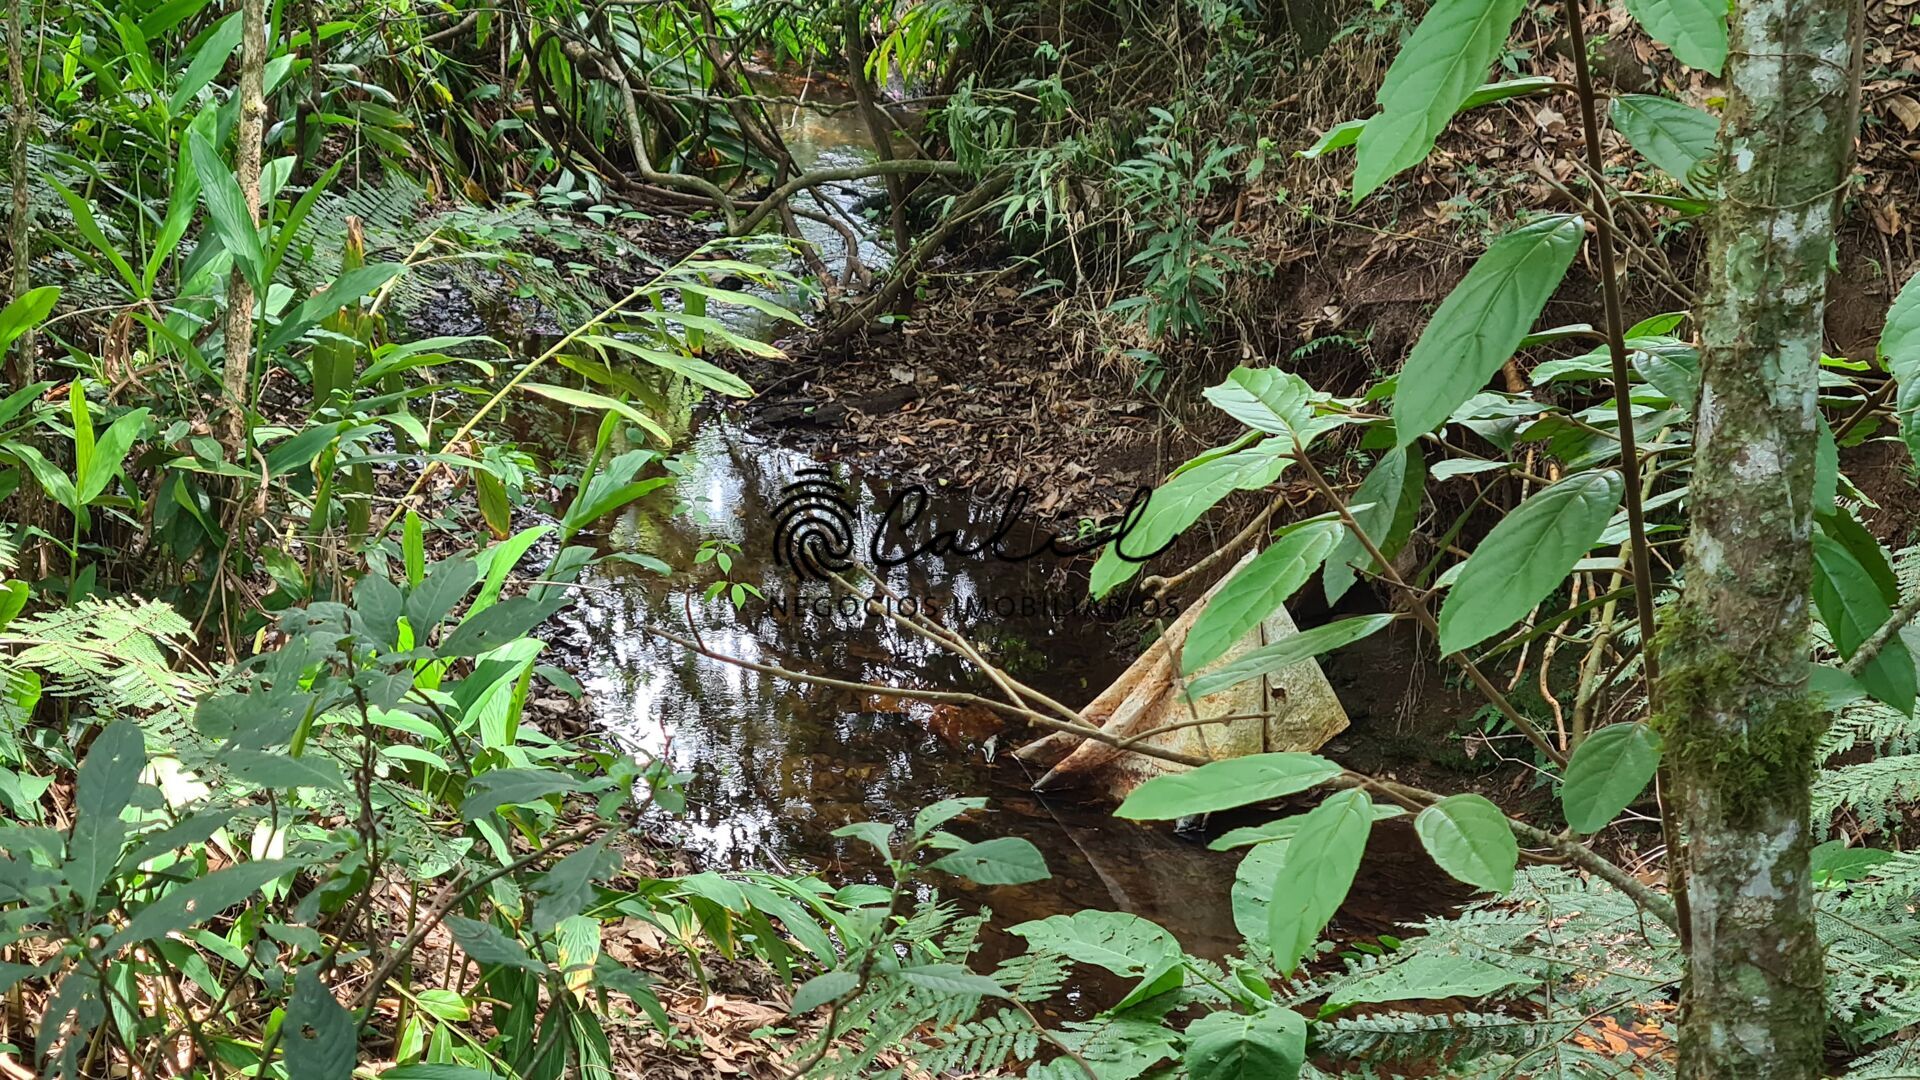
(1739, 724)
(246, 168)
(879, 127)
(20, 367)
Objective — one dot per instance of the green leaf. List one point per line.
(1696, 30)
(951, 979)
(438, 1072)
(1469, 837)
(26, 312)
(1675, 137)
(504, 622)
(1265, 399)
(1843, 526)
(346, 290)
(587, 399)
(283, 772)
(568, 888)
(1376, 503)
(227, 206)
(692, 368)
(105, 461)
(212, 55)
(1480, 323)
(197, 901)
(1606, 773)
(1286, 652)
(1177, 504)
(1272, 833)
(1223, 785)
(321, 1039)
(487, 946)
(1900, 349)
(821, 989)
(105, 781)
(1526, 556)
(1252, 594)
(1004, 860)
(1267, 1045)
(1346, 134)
(877, 834)
(1425, 976)
(514, 787)
(442, 587)
(413, 549)
(1315, 873)
(1834, 862)
(1117, 941)
(934, 815)
(1852, 607)
(1440, 65)
(1120, 942)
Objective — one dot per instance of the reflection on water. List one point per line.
(778, 766)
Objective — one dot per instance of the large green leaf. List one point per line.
(1276, 832)
(1003, 860)
(26, 312)
(1265, 399)
(488, 946)
(109, 453)
(1120, 942)
(197, 901)
(512, 787)
(1425, 976)
(1526, 556)
(1900, 350)
(1606, 773)
(821, 989)
(950, 979)
(1438, 68)
(1481, 322)
(1852, 607)
(212, 55)
(1696, 30)
(1177, 504)
(322, 1041)
(1287, 652)
(227, 206)
(1267, 1045)
(587, 399)
(1222, 785)
(1252, 594)
(1675, 137)
(568, 888)
(1345, 134)
(1315, 874)
(104, 786)
(1376, 502)
(1468, 836)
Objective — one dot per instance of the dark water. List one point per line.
(777, 765)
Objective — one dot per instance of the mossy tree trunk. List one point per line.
(246, 168)
(20, 368)
(1740, 727)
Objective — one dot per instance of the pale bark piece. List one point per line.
(1294, 709)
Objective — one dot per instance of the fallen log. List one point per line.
(1293, 709)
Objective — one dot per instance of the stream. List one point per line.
(776, 766)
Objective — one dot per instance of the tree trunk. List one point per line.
(1739, 725)
(20, 367)
(246, 169)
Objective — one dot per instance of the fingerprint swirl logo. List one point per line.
(813, 526)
